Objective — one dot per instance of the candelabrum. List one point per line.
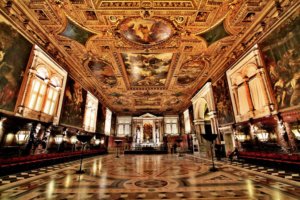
(118, 142)
(83, 139)
(21, 138)
(73, 141)
(58, 140)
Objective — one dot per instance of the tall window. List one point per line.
(52, 96)
(90, 115)
(43, 83)
(171, 125)
(43, 95)
(107, 122)
(124, 124)
(37, 90)
(187, 123)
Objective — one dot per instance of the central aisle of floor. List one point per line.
(147, 177)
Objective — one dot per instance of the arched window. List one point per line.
(37, 89)
(42, 72)
(43, 93)
(52, 97)
(90, 113)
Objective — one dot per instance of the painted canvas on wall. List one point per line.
(281, 51)
(223, 103)
(74, 104)
(147, 69)
(145, 31)
(14, 55)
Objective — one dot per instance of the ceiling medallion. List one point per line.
(146, 31)
(113, 19)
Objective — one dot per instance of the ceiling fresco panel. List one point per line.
(145, 31)
(103, 72)
(190, 71)
(147, 69)
(216, 33)
(76, 32)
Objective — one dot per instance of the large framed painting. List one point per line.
(281, 52)
(74, 104)
(223, 103)
(14, 54)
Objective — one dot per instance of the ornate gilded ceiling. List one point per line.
(144, 56)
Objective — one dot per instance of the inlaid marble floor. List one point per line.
(150, 177)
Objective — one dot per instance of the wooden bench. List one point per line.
(279, 159)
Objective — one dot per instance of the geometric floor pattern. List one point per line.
(31, 173)
(292, 175)
(295, 176)
(149, 177)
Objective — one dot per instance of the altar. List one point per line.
(147, 131)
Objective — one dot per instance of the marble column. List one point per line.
(214, 123)
(236, 99)
(249, 100)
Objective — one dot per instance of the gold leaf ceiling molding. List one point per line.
(243, 21)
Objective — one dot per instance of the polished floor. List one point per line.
(148, 177)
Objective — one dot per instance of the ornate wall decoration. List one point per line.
(173, 102)
(146, 31)
(121, 101)
(201, 16)
(103, 72)
(74, 104)
(76, 32)
(223, 103)
(147, 94)
(14, 55)
(281, 51)
(147, 69)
